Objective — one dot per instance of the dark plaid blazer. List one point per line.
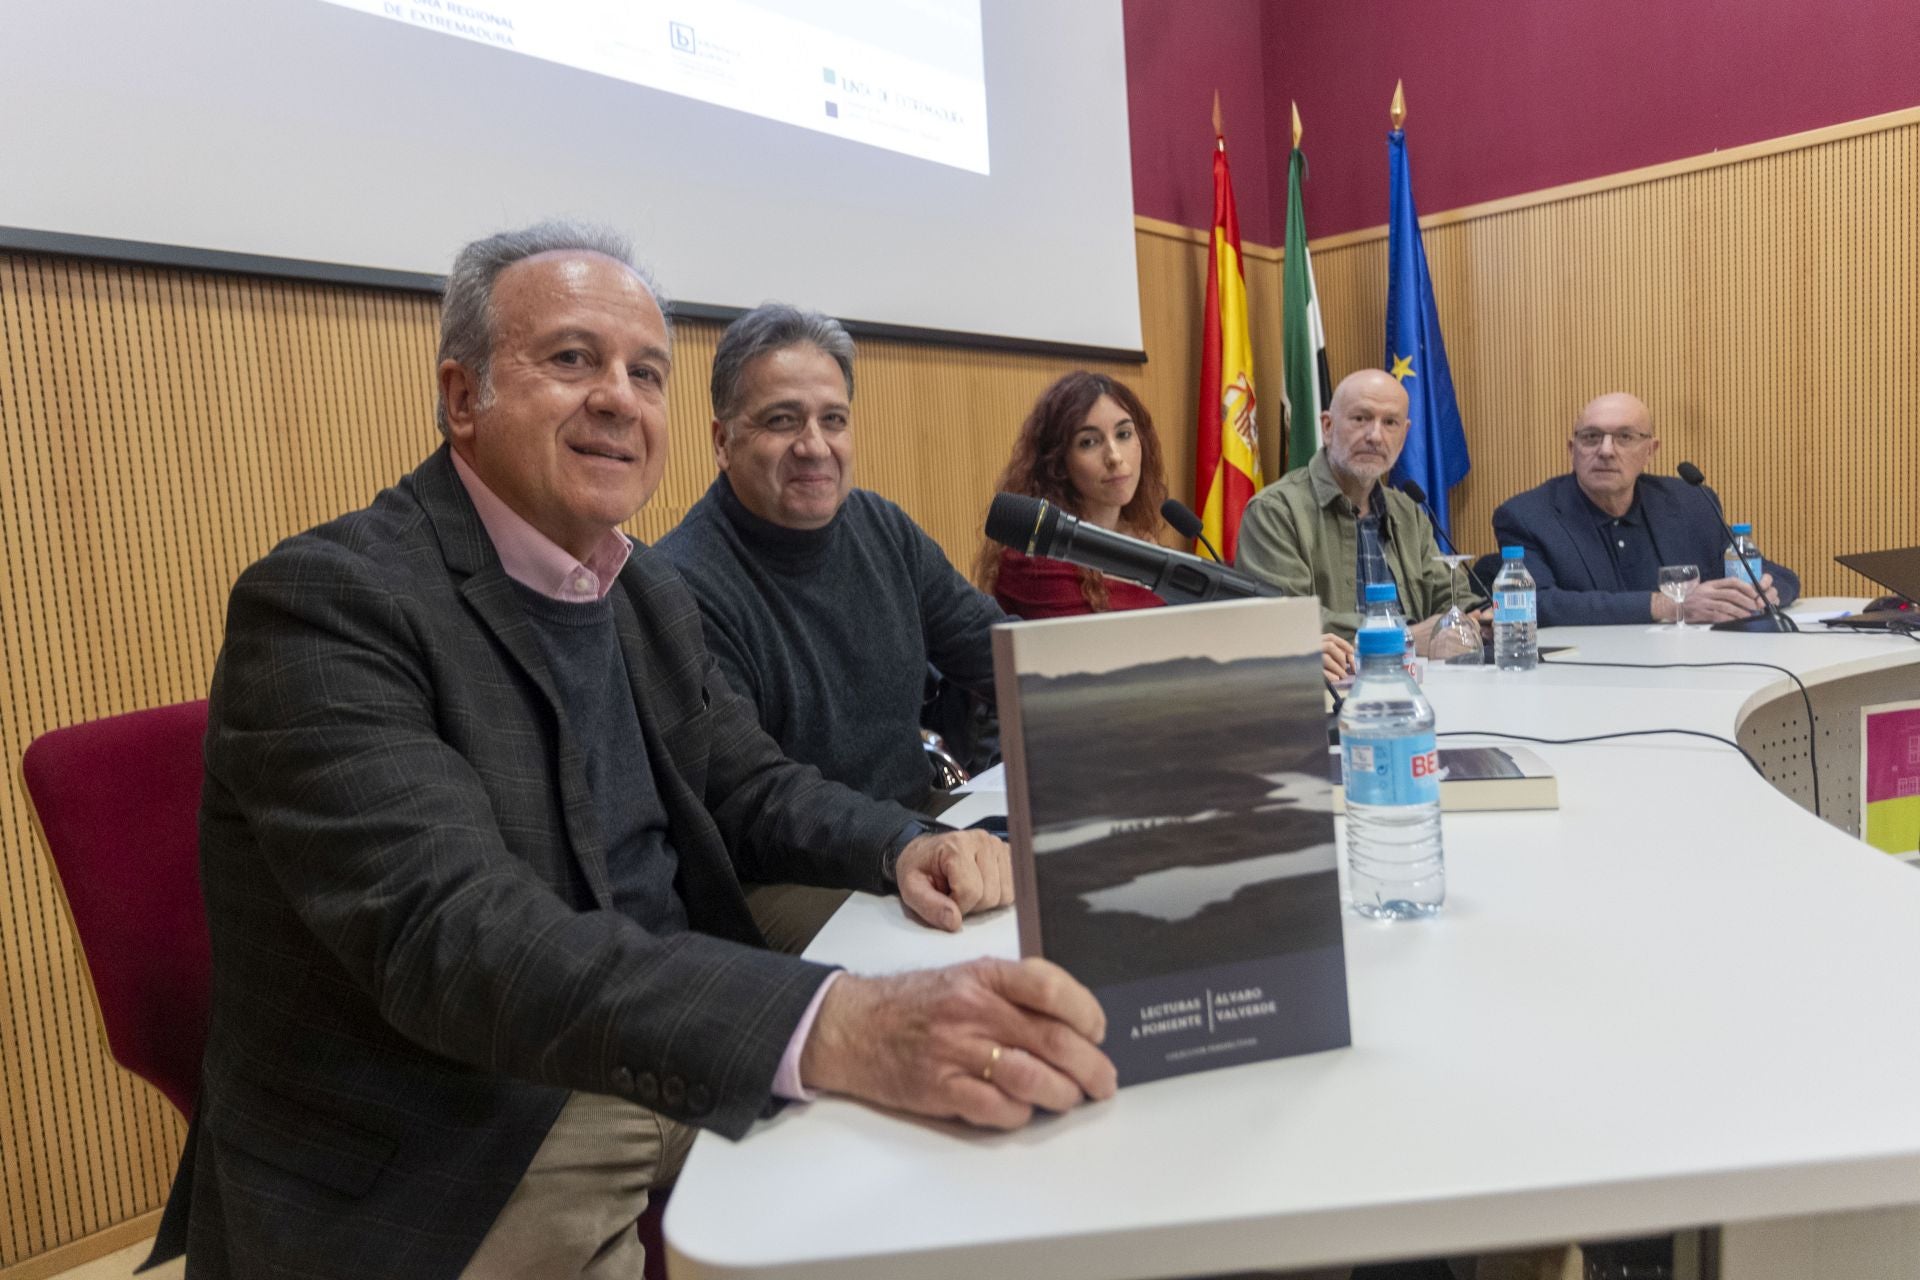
(415, 952)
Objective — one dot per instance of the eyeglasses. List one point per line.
(1591, 438)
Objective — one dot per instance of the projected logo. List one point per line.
(913, 84)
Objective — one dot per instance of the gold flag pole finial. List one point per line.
(1297, 130)
(1398, 111)
(1219, 129)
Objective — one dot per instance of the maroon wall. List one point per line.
(1178, 53)
(1504, 96)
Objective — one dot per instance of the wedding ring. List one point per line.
(993, 1060)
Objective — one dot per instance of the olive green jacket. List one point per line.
(1300, 533)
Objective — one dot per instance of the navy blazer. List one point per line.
(1569, 560)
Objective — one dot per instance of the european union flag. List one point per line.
(1436, 454)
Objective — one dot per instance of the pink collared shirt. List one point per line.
(538, 563)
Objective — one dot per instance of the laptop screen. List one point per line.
(1898, 571)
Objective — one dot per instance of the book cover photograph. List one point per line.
(1172, 827)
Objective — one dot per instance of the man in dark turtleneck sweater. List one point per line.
(823, 603)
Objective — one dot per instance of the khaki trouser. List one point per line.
(790, 914)
(576, 1210)
(574, 1213)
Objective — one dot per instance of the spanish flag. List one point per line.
(1228, 473)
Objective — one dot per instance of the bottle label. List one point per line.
(1513, 606)
(1391, 770)
(1731, 567)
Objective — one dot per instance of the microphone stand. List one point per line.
(1188, 525)
(1779, 620)
(1419, 495)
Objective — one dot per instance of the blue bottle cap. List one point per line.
(1513, 553)
(1373, 641)
(1378, 591)
(1742, 530)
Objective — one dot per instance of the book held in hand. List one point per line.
(1172, 827)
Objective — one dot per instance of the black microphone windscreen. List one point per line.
(1179, 515)
(1413, 491)
(1014, 520)
(1690, 473)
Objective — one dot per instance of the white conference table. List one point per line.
(1679, 1000)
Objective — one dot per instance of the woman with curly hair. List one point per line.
(1089, 448)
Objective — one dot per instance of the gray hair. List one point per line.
(773, 326)
(466, 309)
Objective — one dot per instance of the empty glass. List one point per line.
(1456, 637)
(1677, 582)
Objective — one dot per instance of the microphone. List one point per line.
(1777, 621)
(1419, 495)
(1038, 528)
(1188, 525)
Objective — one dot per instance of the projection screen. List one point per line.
(952, 166)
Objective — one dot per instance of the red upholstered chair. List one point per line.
(119, 802)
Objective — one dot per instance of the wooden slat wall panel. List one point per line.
(159, 430)
(934, 424)
(1764, 309)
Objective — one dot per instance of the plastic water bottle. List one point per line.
(1744, 549)
(1516, 644)
(1395, 868)
(1382, 609)
(1380, 604)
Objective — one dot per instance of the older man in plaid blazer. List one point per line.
(477, 808)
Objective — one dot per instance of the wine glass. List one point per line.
(1456, 637)
(1677, 582)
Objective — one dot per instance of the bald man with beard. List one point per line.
(1596, 539)
(1328, 527)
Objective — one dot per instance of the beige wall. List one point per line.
(161, 429)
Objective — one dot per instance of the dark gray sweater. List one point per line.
(590, 677)
(829, 631)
